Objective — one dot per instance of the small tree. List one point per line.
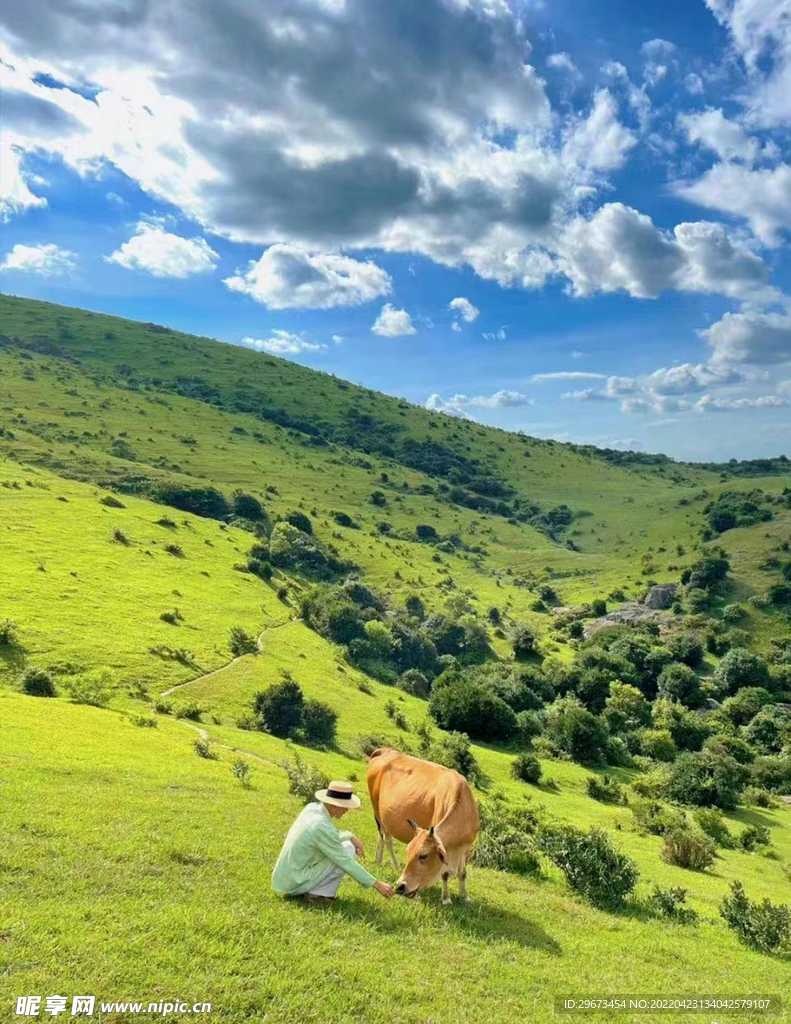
(241, 771)
(524, 641)
(319, 722)
(740, 668)
(426, 532)
(526, 768)
(246, 506)
(677, 682)
(300, 521)
(765, 926)
(9, 633)
(414, 682)
(280, 708)
(37, 682)
(242, 642)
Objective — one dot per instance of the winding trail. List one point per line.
(204, 733)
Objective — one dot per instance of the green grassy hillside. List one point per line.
(137, 869)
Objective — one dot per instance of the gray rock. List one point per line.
(661, 596)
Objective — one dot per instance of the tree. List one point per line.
(741, 668)
(626, 709)
(300, 521)
(677, 682)
(280, 708)
(246, 506)
(769, 730)
(745, 705)
(524, 641)
(426, 532)
(576, 731)
(462, 705)
(319, 722)
(658, 744)
(707, 779)
(414, 682)
(687, 648)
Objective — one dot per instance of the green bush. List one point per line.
(240, 770)
(92, 688)
(740, 668)
(414, 682)
(529, 726)
(319, 722)
(304, 780)
(755, 797)
(765, 926)
(670, 903)
(280, 707)
(656, 818)
(523, 641)
(677, 682)
(204, 749)
(604, 789)
(461, 705)
(242, 642)
(526, 768)
(689, 849)
(711, 821)
(426, 532)
(505, 841)
(300, 521)
(190, 711)
(453, 751)
(707, 779)
(246, 506)
(593, 866)
(575, 731)
(37, 682)
(755, 835)
(9, 633)
(145, 722)
(657, 744)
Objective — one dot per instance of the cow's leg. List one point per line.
(463, 894)
(445, 889)
(391, 851)
(380, 847)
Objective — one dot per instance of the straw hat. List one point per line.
(339, 794)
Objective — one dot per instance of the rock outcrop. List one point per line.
(661, 596)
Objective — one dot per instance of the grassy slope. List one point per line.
(157, 885)
(213, 928)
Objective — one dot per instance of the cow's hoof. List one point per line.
(446, 903)
(465, 897)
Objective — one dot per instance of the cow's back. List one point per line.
(402, 787)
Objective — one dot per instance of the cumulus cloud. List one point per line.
(712, 130)
(393, 323)
(708, 403)
(163, 254)
(454, 406)
(45, 260)
(599, 142)
(498, 335)
(457, 405)
(282, 343)
(289, 276)
(762, 196)
(568, 375)
(502, 399)
(563, 62)
(752, 337)
(464, 308)
(620, 249)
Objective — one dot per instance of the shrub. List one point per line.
(191, 711)
(707, 779)
(755, 835)
(91, 688)
(242, 642)
(240, 770)
(246, 506)
(145, 722)
(319, 722)
(414, 682)
(9, 633)
(755, 797)
(300, 521)
(765, 926)
(626, 708)
(769, 730)
(656, 818)
(657, 744)
(426, 532)
(162, 707)
(280, 708)
(110, 502)
(523, 641)
(711, 821)
(670, 903)
(462, 705)
(740, 668)
(677, 682)
(686, 648)
(175, 550)
(616, 752)
(201, 501)
(526, 768)
(697, 600)
(342, 519)
(453, 751)
(598, 608)
(575, 731)
(605, 789)
(204, 749)
(593, 866)
(304, 780)
(37, 682)
(689, 849)
(505, 841)
(529, 726)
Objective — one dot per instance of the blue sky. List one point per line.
(604, 189)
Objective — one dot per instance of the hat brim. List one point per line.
(350, 805)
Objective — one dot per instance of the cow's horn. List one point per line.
(412, 823)
(431, 832)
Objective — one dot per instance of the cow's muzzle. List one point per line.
(401, 890)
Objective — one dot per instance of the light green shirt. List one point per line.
(314, 845)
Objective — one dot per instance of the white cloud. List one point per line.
(164, 254)
(338, 339)
(393, 323)
(563, 62)
(452, 407)
(708, 403)
(289, 276)
(751, 337)
(568, 375)
(761, 196)
(46, 260)
(498, 335)
(599, 142)
(464, 308)
(728, 139)
(657, 53)
(620, 249)
(282, 343)
(15, 195)
(688, 378)
(502, 399)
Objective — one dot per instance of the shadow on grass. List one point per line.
(479, 919)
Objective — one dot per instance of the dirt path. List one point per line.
(204, 735)
(216, 671)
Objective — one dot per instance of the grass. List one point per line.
(133, 868)
(159, 885)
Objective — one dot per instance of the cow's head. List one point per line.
(426, 859)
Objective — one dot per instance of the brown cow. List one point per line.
(431, 808)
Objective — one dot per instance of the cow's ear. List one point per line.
(440, 849)
(412, 824)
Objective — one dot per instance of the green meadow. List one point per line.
(134, 869)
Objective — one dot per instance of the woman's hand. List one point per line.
(359, 849)
(384, 889)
